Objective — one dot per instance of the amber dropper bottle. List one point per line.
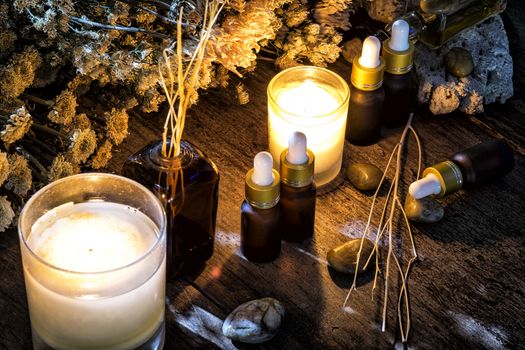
(400, 92)
(260, 212)
(366, 95)
(298, 191)
(476, 165)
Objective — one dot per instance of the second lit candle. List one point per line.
(313, 101)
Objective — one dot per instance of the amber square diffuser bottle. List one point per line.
(187, 186)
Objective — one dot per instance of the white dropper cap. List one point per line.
(262, 169)
(370, 54)
(399, 39)
(297, 148)
(424, 187)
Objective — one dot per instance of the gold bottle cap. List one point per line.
(262, 197)
(398, 62)
(367, 79)
(449, 176)
(297, 175)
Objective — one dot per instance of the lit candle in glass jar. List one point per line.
(94, 269)
(313, 101)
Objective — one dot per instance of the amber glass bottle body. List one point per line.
(260, 232)
(365, 111)
(298, 212)
(484, 162)
(400, 98)
(188, 188)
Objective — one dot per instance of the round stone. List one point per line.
(255, 321)
(426, 209)
(363, 176)
(351, 49)
(459, 62)
(344, 258)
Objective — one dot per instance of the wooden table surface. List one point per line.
(467, 289)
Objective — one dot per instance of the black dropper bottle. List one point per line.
(474, 166)
(298, 190)
(399, 79)
(366, 95)
(260, 212)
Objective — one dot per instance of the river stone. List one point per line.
(343, 258)
(363, 176)
(458, 61)
(255, 321)
(426, 209)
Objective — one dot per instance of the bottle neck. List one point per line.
(449, 176)
(438, 180)
(262, 197)
(367, 79)
(398, 62)
(183, 159)
(297, 175)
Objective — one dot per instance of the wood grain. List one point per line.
(467, 289)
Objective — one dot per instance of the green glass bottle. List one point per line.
(434, 22)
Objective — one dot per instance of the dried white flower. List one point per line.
(17, 126)
(6, 213)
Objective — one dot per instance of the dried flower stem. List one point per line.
(38, 169)
(38, 100)
(49, 130)
(185, 79)
(43, 128)
(267, 59)
(87, 22)
(272, 52)
(158, 2)
(134, 3)
(392, 203)
(44, 151)
(32, 159)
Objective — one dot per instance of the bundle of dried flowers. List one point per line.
(67, 84)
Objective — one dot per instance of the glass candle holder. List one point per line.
(314, 101)
(94, 259)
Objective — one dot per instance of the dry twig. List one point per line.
(180, 87)
(386, 224)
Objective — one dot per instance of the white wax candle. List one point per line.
(95, 239)
(314, 109)
(307, 99)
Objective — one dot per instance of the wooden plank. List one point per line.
(467, 289)
(482, 228)
(15, 332)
